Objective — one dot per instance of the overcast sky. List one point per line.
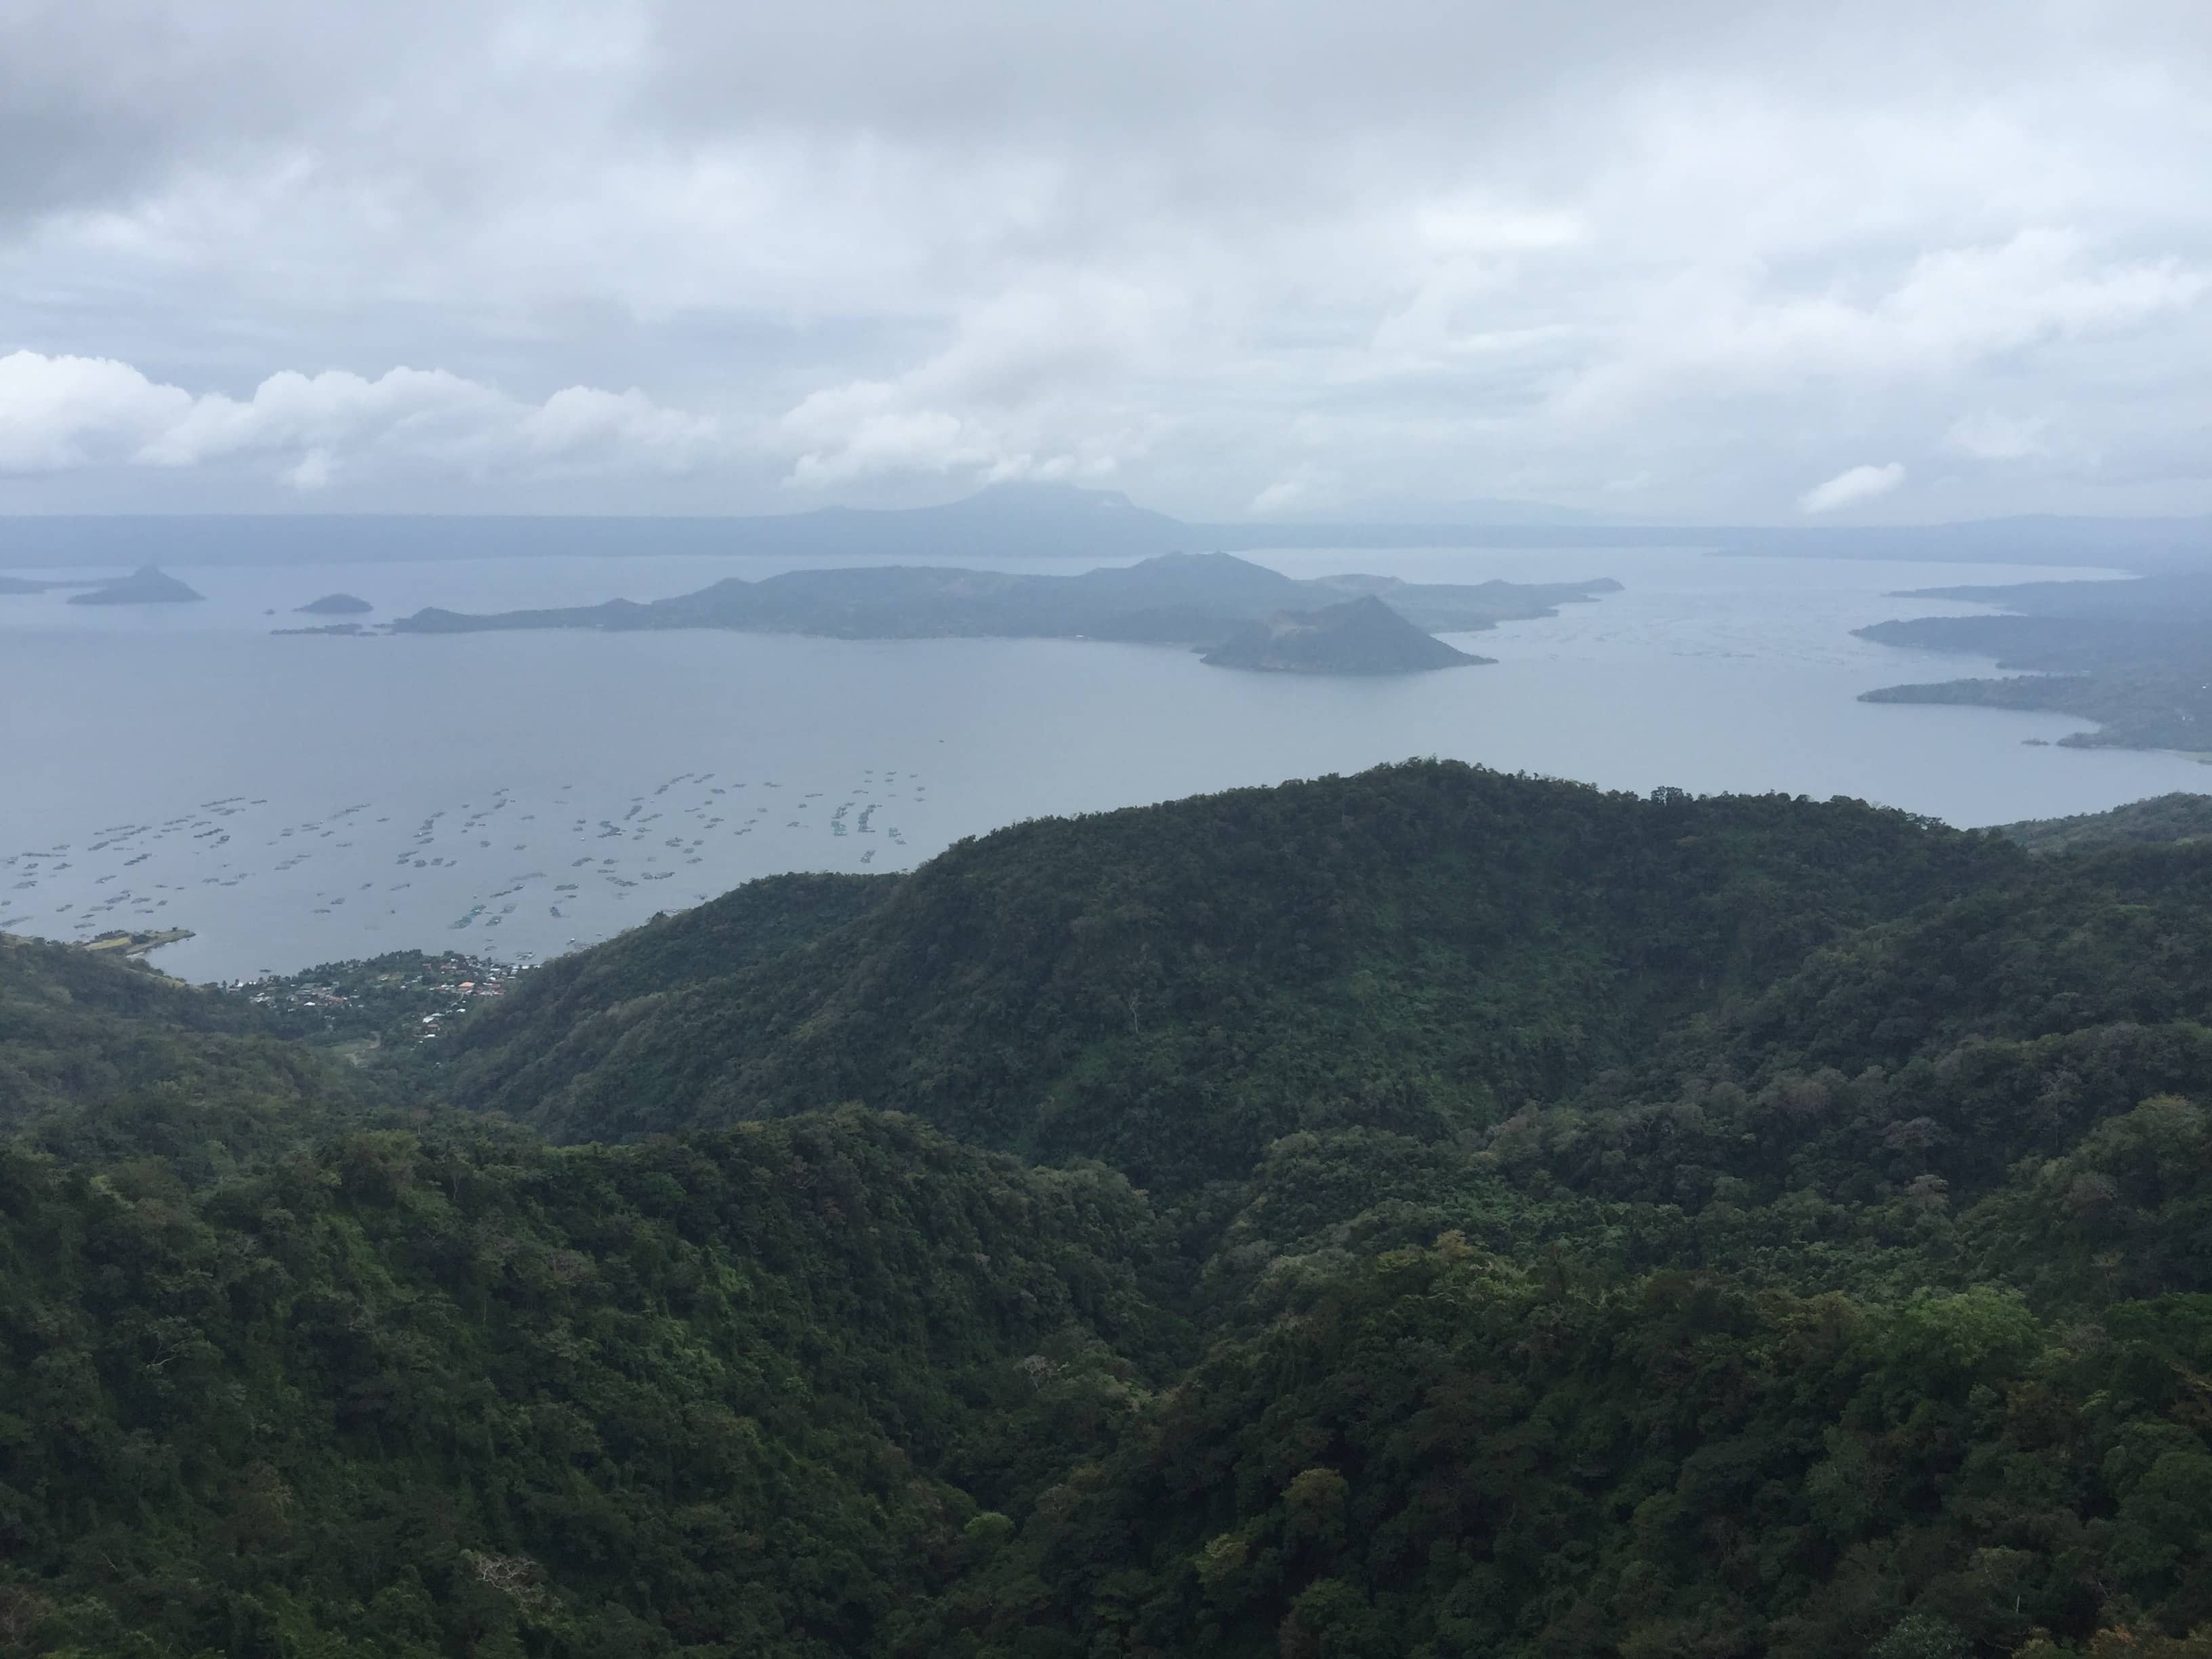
(1784, 263)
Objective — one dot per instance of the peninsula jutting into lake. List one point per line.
(1200, 599)
(2133, 656)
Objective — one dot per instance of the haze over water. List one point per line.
(299, 800)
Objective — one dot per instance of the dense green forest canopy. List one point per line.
(95, 1053)
(2172, 817)
(1172, 989)
(1424, 1213)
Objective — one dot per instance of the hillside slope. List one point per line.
(1170, 989)
(674, 952)
(1725, 1227)
(2177, 817)
(414, 1396)
(99, 1053)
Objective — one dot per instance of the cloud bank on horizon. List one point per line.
(1696, 261)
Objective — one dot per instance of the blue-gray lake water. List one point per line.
(302, 799)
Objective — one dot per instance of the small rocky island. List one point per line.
(146, 586)
(1359, 636)
(336, 605)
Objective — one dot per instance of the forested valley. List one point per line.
(1430, 1212)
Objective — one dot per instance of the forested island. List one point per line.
(2135, 655)
(336, 605)
(146, 586)
(1426, 1212)
(1199, 599)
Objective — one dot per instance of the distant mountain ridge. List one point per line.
(1485, 510)
(1012, 520)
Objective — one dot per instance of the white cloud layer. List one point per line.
(1848, 489)
(62, 413)
(1664, 260)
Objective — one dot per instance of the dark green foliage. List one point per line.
(101, 1058)
(2161, 818)
(1444, 1454)
(1417, 949)
(408, 1394)
(1616, 1227)
(43, 985)
(755, 923)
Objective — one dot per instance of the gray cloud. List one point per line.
(1682, 260)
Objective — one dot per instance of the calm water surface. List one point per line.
(295, 800)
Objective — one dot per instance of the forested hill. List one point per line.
(2172, 818)
(437, 1395)
(1420, 948)
(96, 1055)
(1463, 1215)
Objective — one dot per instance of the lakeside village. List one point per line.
(405, 998)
